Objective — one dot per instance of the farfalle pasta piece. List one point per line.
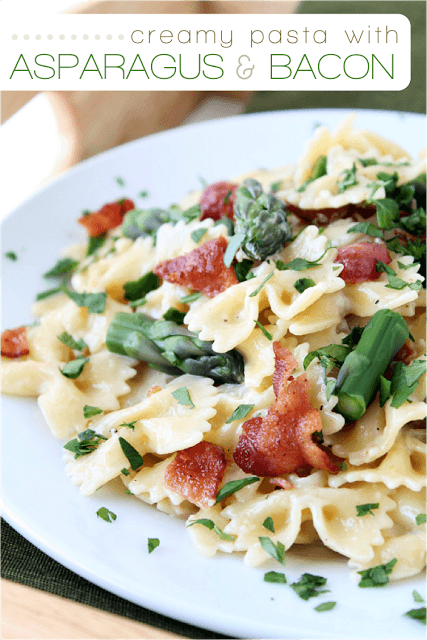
(129, 261)
(334, 516)
(148, 485)
(229, 318)
(373, 435)
(405, 541)
(404, 464)
(100, 384)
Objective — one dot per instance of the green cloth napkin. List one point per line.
(22, 562)
(413, 98)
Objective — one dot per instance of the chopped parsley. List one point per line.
(198, 234)
(95, 243)
(343, 466)
(240, 412)
(152, 544)
(417, 614)
(106, 514)
(275, 576)
(387, 212)
(319, 170)
(299, 264)
(143, 194)
(135, 459)
(86, 442)
(258, 289)
(269, 524)
(353, 337)
(348, 179)
(275, 186)
(95, 302)
(242, 269)
(233, 486)
(120, 181)
(130, 425)
(377, 576)
(276, 551)
(325, 606)
(421, 518)
(308, 586)
(136, 289)
(11, 255)
(332, 355)
(417, 596)
(74, 368)
(191, 297)
(367, 162)
(233, 246)
(210, 524)
(49, 292)
(404, 381)
(69, 341)
(89, 411)
(175, 315)
(137, 303)
(63, 267)
(304, 283)
(368, 229)
(183, 397)
(125, 472)
(364, 509)
(394, 282)
(264, 330)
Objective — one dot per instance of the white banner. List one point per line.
(206, 52)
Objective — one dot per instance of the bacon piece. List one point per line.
(217, 200)
(360, 261)
(281, 483)
(196, 473)
(153, 390)
(281, 442)
(327, 215)
(14, 343)
(108, 217)
(202, 269)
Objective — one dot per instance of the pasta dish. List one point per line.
(251, 360)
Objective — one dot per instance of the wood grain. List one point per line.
(31, 613)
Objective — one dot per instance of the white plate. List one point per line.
(221, 594)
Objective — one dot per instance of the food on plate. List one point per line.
(253, 359)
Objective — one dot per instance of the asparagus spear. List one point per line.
(358, 379)
(171, 348)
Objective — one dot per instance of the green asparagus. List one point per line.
(360, 373)
(262, 219)
(171, 348)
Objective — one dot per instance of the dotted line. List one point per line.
(62, 37)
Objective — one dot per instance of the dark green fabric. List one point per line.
(24, 563)
(413, 98)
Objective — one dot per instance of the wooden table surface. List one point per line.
(31, 613)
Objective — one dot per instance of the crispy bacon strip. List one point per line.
(360, 261)
(14, 343)
(217, 200)
(202, 269)
(108, 217)
(327, 215)
(281, 442)
(197, 472)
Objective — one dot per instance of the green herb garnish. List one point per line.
(136, 289)
(233, 246)
(95, 302)
(304, 283)
(86, 442)
(348, 179)
(276, 551)
(377, 576)
(269, 524)
(210, 524)
(63, 267)
(89, 411)
(69, 341)
(364, 509)
(275, 576)
(258, 289)
(421, 518)
(152, 544)
(198, 234)
(319, 170)
(106, 514)
(308, 586)
(183, 397)
(240, 412)
(268, 335)
(135, 459)
(175, 315)
(11, 255)
(74, 368)
(191, 297)
(233, 486)
(325, 606)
